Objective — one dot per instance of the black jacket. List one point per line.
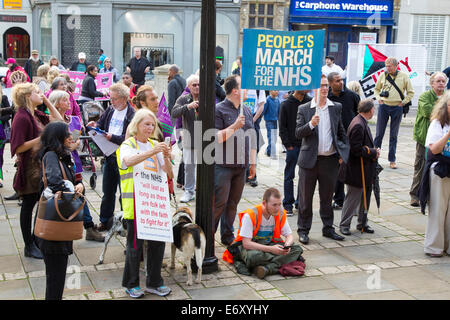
(287, 120)
(74, 66)
(6, 110)
(89, 89)
(55, 182)
(349, 101)
(105, 119)
(28, 68)
(174, 89)
(220, 93)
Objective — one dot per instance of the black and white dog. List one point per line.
(119, 226)
(190, 239)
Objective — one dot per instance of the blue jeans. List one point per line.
(289, 175)
(111, 179)
(384, 113)
(87, 218)
(271, 126)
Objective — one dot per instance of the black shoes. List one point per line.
(32, 251)
(345, 231)
(333, 235)
(15, 196)
(367, 229)
(303, 238)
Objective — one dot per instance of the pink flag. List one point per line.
(165, 120)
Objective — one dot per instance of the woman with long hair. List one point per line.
(56, 147)
(41, 78)
(27, 125)
(140, 147)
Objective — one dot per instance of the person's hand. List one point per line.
(79, 188)
(315, 120)
(401, 104)
(92, 124)
(161, 147)
(290, 148)
(378, 152)
(193, 105)
(252, 171)
(239, 123)
(108, 136)
(340, 160)
(278, 250)
(380, 101)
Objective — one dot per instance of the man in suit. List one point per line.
(324, 146)
(361, 147)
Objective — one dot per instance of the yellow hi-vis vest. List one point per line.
(126, 180)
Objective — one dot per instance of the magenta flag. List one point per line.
(165, 120)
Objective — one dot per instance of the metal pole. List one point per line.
(205, 172)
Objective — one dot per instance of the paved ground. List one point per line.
(389, 264)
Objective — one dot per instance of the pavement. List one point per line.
(389, 264)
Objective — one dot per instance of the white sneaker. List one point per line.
(187, 196)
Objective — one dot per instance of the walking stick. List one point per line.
(365, 196)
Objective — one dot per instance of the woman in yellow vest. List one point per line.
(138, 148)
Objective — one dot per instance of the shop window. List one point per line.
(261, 15)
(156, 47)
(46, 34)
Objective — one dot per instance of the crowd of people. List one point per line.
(325, 133)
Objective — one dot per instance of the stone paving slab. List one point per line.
(335, 270)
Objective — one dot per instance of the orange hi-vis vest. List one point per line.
(256, 216)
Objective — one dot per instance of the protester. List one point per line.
(349, 101)
(81, 65)
(101, 59)
(61, 100)
(27, 125)
(127, 80)
(32, 64)
(361, 150)
(435, 184)
(138, 66)
(114, 121)
(259, 242)
(5, 115)
(54, 62)
(186, 108)
(270, 114)
(109, 68)
(220, 93)
(136, 149)
(237, 66)
(355, 86)
(330, 66)
(71, 86)
(287, 124)
(255, 100)
(41, 78)
(89, 88)
(324, 146)
(57, 143)
(13, 67)
(52, 74)
(147, 98)
(427, 101)
(175, 87)
(391, 105)
(60, 83)
(230, 171)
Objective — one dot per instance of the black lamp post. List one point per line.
(206, 113)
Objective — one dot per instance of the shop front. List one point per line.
(344, 21)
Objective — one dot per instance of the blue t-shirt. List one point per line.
(101, 59)
(271, 109)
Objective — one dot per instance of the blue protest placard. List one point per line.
(282, 60)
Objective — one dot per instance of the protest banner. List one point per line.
(102, 81)
(152, 202)
(365, 63)
(164, 119)
(282, 60)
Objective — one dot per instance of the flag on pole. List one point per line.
(164, 119)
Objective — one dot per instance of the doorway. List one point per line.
(337, 45)
(16, 44)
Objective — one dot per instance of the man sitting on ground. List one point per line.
(258, 245)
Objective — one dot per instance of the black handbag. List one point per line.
(60, 218)
(406, 106)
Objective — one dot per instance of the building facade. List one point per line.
(16, 30)
(167, 31)
(427, 22)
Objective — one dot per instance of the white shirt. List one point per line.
(116, 123)
(155, 163)
(436, 132)
(266, 228)
(326, 70)
(326, 147)
(254, 99)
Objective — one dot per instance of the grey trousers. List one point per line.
(419, 164)
(354, 202)
(189, 159)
